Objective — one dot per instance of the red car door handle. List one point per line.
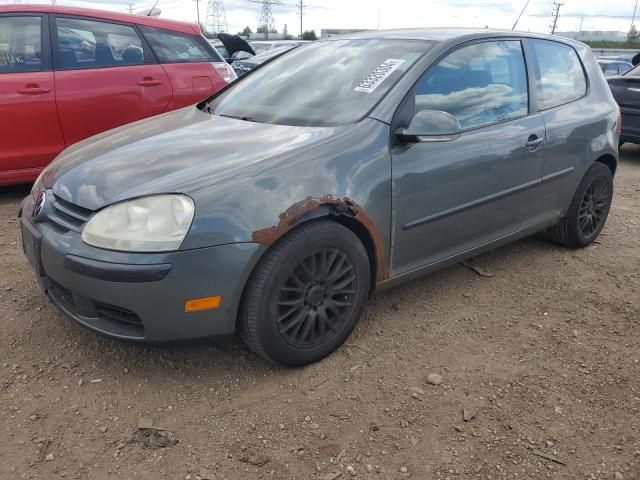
(33, 90)
(149, 82)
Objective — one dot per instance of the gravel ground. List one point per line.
(542, 359)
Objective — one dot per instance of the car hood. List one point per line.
(177, 152)
(235, 43)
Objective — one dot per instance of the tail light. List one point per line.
(619, 126)
(226, 72)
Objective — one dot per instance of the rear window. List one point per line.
(561, 78)
(174, 47)
(20, 44)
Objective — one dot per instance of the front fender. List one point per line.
(348, 173)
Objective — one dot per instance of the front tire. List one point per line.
(306, 295)
(589, 209)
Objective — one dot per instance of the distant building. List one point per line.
(263, 36)
(595, 35)
(332, 32)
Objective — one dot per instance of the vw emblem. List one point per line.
(41, 201)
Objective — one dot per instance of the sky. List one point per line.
(371, 14)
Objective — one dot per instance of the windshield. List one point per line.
(325, 83)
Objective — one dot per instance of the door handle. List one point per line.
(149, 82)
(33, 90)
(533, 142)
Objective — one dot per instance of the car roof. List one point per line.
(183, 27)
(447, 34)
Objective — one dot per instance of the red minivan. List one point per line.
(69, 73)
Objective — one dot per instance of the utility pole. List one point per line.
(216, 16)
(301, 6)
(266, 16)
(580, 29)
(633, 19)
(556, 14)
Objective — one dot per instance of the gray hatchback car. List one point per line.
(277, 206)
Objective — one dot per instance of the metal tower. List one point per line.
(266, 16)
(216, 17)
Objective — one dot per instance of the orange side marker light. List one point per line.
(199, 304)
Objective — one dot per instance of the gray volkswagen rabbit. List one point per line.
(276, 207)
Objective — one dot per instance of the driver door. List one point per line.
(459, 194)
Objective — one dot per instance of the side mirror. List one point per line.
(431, 126)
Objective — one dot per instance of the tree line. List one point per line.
(247, 32)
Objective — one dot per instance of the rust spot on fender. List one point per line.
(338, 206)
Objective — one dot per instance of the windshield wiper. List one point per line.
(246, 118)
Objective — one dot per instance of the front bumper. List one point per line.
(139, 297)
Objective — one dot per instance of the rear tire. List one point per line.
(306, 295)
(589, 209)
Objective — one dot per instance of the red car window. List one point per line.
(174, 47)
(90, 44)
(20, 44)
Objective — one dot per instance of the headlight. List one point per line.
(156, 223)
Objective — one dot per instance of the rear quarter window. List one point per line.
(560, 76)
(175, 47)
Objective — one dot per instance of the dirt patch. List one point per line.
(539, 378)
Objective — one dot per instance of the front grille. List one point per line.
(125, 318)
(65, 216)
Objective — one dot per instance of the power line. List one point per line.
(266, 16)
(519, 16)
(216, 16)
(556, 14)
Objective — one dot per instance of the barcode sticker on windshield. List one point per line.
(379, 75)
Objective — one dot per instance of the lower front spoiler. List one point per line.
(138, 301)
(153, 311)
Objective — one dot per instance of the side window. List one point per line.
(91, 44)
(561, 78)
(480, 84)
(20, 44)
(611, 69)
(175, 47)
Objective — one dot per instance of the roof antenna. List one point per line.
(518, 19)
(156, 4)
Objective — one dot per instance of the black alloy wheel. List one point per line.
(306, 295)
(587, 214)
(317, 298)
(594, 207)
